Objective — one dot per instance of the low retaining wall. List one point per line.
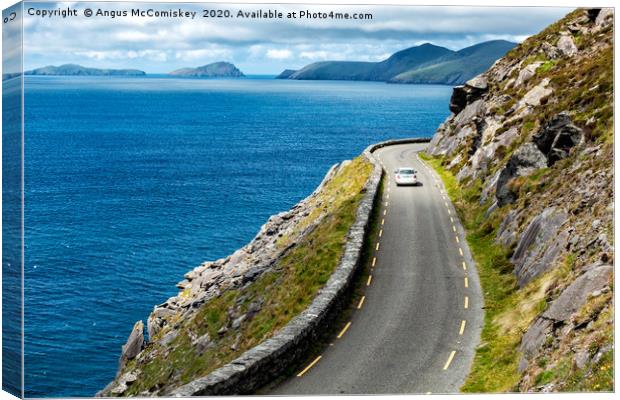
(269, 360)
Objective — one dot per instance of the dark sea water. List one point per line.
(131, 182)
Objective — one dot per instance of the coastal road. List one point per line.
(419, 322)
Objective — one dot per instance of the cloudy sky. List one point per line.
(158, 45)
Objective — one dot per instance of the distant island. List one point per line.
(426, 63)
(78, 70)
(220, 69)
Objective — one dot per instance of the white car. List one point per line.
(406, 176)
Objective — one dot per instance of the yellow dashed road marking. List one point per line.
(462, 327)
(466, 305)
(369, 280)
(380, 232)
(464, 266)
(384, 212)
(343, 331)
(466, 282)
(457, 239)
(377, 247)
(316, 360)
(461, 251)
(374, 261)
(454, 228)
(359, 305)
(447, 365)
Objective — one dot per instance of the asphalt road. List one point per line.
(421, 317)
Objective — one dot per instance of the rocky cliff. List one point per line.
(228, 306)
(530, 144)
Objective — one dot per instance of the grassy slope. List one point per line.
(284, 292)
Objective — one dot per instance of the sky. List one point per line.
(262, 46)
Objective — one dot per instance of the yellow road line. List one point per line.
(384, 212)
(457, 239)
(387, 204)
(316, 360)
(446, 203)
(454, 228)
(447, 365)
(460, 251)
(466, 282)
(380, 232)
(374, 261)
(449, 213)
(377, 247)
(387, 196)
(359, 305)
(462, 327)
(451, 219)
(464, 266)
(466, 305)
(369, 280)
(342, 332)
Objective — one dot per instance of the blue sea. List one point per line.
(131, 182)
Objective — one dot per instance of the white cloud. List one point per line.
(160, 45)
(279, 54)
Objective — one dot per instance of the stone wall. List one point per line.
(269, 360)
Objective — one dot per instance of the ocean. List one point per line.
(131, 182)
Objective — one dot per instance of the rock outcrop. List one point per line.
(532, 137)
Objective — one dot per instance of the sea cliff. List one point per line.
(226, 307)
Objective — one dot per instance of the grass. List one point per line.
(284, 292)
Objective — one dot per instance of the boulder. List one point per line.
(157, 320)
(557, 137)
(134, 344)
(576, 294)
(465, 94)
(526, 73)
(534, 338)
(566, 46)
(605, 17)
(525, 160)
(536, 94)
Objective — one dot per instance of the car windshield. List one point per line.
(406, 171)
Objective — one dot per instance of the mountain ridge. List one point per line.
(426, 63)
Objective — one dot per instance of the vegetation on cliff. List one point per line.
(528, 161)
(244, 308)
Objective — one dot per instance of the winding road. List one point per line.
(417, 326)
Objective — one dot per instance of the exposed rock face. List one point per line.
(557, 138)
(468, 93)
(539, 245)
(524, 161)
(134, 343)
(567, 46)
(534, 141)
(574, 296)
